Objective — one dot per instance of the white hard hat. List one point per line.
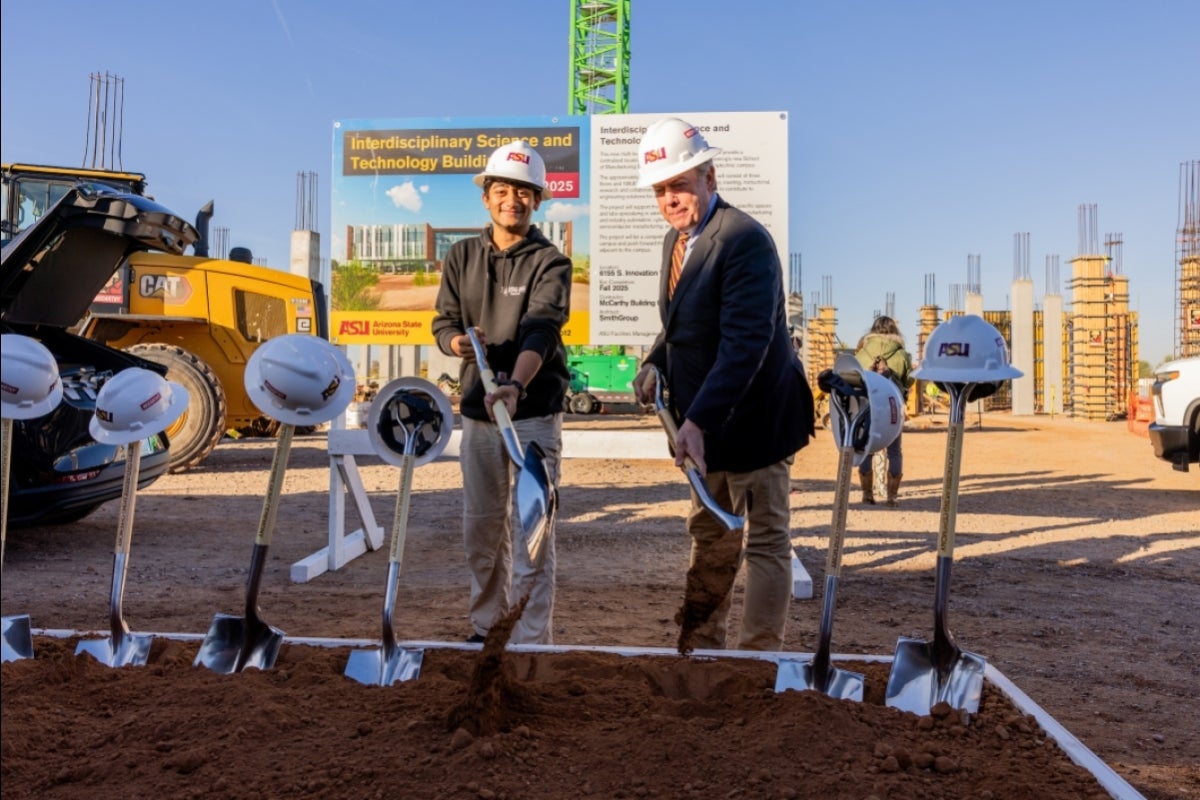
(410, 410)
(29, 383)
(299, 379)
(516, 161)
(884, 406)
(966, 349)
(670, 147)
(135, 404)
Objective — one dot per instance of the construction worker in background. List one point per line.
(737, 391)
(881, 349)
(514, 287)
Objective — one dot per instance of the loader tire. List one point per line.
(194, 435)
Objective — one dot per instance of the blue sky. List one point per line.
(920, 133)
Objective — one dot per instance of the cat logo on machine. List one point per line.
(168, 288)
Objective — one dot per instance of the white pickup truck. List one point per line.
(1175, 432)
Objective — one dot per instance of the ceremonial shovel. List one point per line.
(296, 379)
(818, 674)
(30, 387)
(925, 673)
(727, 520)
(413, 407)
(122, 648)
(18, 638)
(133, 405)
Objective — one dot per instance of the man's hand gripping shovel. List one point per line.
(713, 571)
(536, 498)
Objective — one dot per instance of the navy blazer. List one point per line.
(725, 348)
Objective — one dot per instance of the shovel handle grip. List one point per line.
(400, 525)
(266, 521)
(499, 409)
(841, 503)
(949, 510)
(6, 429)
(668, 423)
(133, 464)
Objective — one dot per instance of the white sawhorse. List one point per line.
(344, 480)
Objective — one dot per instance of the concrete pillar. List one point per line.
(1053, 354)
(1022, 347)
(973, 304)
(306, 256)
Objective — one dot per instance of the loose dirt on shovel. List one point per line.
(708, 581)
(1076, 566)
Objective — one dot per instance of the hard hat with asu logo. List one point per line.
(29, 383)
(516, 161)
(135, 404)
(671, 147)
(300, 379)
(967, 349)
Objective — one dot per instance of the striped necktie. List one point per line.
(677, 254)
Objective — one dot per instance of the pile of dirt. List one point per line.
(574, 724)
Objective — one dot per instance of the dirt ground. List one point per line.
(1075, 576)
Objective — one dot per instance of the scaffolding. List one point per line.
(821, 343)
(1187, 262)
(1103, 344)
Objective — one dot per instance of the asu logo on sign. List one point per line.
(355, 327)
(650, 156)
(522, 157)
(954, 349)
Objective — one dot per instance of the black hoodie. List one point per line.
(521, 298)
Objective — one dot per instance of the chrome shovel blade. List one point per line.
(917, 685)
(378, 668)
(130, 650)
(18, 639)
(840, 684)
(235, 643)
(535, 504)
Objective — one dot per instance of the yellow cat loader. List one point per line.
(199, 317)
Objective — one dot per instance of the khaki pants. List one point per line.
(766, 553)
(501, 574)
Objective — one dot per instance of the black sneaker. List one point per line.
(476, 638)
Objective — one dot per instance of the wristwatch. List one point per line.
(520, 388)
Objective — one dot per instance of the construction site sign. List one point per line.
(628, 231)
(402, 194)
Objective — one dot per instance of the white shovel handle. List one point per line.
(499, 409)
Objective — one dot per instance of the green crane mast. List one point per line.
(599, 79)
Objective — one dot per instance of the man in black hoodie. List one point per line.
(514, 287)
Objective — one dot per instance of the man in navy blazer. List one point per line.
(737, 391)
